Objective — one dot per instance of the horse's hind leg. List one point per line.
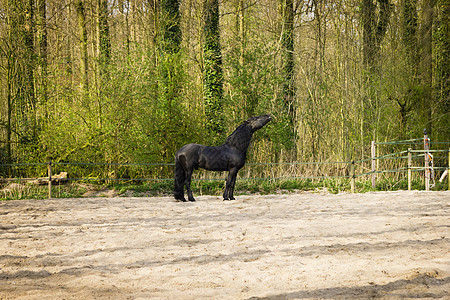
(188, 185)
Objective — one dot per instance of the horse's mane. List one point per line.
(240, 138)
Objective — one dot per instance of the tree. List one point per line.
(286, 8)
(42, 44)
(426, 61)
(442, 41)
(82, 32)
(103, 39)
(409, 30)
(170, 26)
(288, 89)
(375, 19)
(18, 54)
(212, 73)
(170, 77)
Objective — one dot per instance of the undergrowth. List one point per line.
(17, 191)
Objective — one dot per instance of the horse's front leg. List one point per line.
(229, 188)
(233, 182)
(188, 185)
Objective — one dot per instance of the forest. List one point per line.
(116, 81)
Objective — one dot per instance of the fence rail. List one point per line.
(350, 166)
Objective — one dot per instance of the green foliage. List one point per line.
(281, 133)
(160, 76)
(170, 26)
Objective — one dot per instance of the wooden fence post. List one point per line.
(373, 164)
(409, 168)
(448, 173)
(426, 147)
(50, 180)
(352, 171)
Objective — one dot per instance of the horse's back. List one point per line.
(220, 158)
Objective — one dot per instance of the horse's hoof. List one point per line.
(192, 200)
(180, 200)
(226, 199)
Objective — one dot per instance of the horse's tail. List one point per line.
(179, 180)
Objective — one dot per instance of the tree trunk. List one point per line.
(169, 65)
(241, 30)
(104, 41)
(287, 55)
(409, 11)
(374, 29)
(426, 68)
(287, 102)
(29, 61)
(442, 33)
(9, 78)
(212, 74)
(27, 84)
(375, 18)
(82, 31)
(41, 37)
(171, 30)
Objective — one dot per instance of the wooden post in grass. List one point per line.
(352, 171)
(426, 147)
(373, 164)
(448, 170)
(50, 180)
(409, 168)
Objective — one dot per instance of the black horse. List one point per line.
(227, 157)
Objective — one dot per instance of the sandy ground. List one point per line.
(377, 245)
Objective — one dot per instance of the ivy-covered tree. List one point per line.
(212, 73)
(442, 40)
(426, 61)
(170, 80)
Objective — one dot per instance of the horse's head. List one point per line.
(258, 122)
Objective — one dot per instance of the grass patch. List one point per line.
(21, 190)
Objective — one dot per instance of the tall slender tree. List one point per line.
(42, 46)
(104, 40)
(82, 32)
(375, 20)
(170, 80)
(286, 8)
(442, 38)
(426, 61)
(409, 30)
(213, 73)
(287, 70)
(170, 26)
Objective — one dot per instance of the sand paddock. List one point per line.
(306, 245)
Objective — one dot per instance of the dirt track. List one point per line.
(393, 245)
